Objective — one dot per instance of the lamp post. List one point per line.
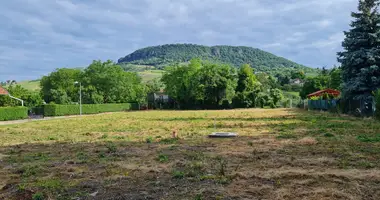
(80, 96)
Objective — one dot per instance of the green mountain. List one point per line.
(163, 55)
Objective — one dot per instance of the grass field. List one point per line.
(30, 85)
(148, 75)
(279, 154)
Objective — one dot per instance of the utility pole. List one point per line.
(80, 97)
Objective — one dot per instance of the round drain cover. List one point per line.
(223, 134)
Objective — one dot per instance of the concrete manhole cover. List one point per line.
(222, 135)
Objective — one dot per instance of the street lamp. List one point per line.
(80, 96)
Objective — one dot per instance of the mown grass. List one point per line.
(33, 85)
(279, 154)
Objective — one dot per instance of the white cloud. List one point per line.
(45, 35)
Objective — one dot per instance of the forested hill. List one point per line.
(163, 55)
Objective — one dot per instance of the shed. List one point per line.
(332, 92)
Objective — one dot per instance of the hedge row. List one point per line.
(13, 113)
(62, 110)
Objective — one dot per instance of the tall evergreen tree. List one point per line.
(361, 56)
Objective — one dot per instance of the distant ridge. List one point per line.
(163, 55)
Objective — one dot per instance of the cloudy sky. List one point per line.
(38, 36)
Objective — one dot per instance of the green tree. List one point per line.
(102, 82)
(335, 78)
(247, 87)
(262, 99)
(361, 56)
(313, 85)
(154, 85)
(298, 74)
(276, 95)
(200, 83)
(108, 82)
(59, 86)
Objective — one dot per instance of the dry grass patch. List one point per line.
(279, 154)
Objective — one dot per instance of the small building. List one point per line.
(296, 81)
(159, 100)
(330, 92)
(323, 99)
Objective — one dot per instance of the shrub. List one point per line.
(13, 113)
(163, 158)
(62, 110)
(38, 196)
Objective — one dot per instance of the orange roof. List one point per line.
(321, 92)
(3, 91)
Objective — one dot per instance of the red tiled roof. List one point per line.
(321, 92)
(3, 91)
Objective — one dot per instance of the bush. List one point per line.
(62, 110)
(13, 113)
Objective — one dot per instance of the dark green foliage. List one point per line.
(314, 84)
(102, 82)
(200, 84)
(262, 99)
(169, 54)
(329, 135)
(276, 96)
(59, 86)
(247, 88)
(361, 56)
(366, 138)
(13, 113)
(336, 78)
(38, 196)
(149, 140)
(326, 79)
(106, 82)
(62, 110)
(163, 158)
(298, 74)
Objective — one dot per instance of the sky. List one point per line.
(38, 36)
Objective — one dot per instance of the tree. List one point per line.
(154, 85)
(313, 85)
(59, 86)
(361, 56)
(262, 99)
(106, 82)
(276, 95)
(247, 87)
(298, 74)
(102, 82)
(267, 82)
(335, 78)
(204, 84)
(283, 79)
(324, 71)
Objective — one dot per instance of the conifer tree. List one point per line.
(360, 58)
